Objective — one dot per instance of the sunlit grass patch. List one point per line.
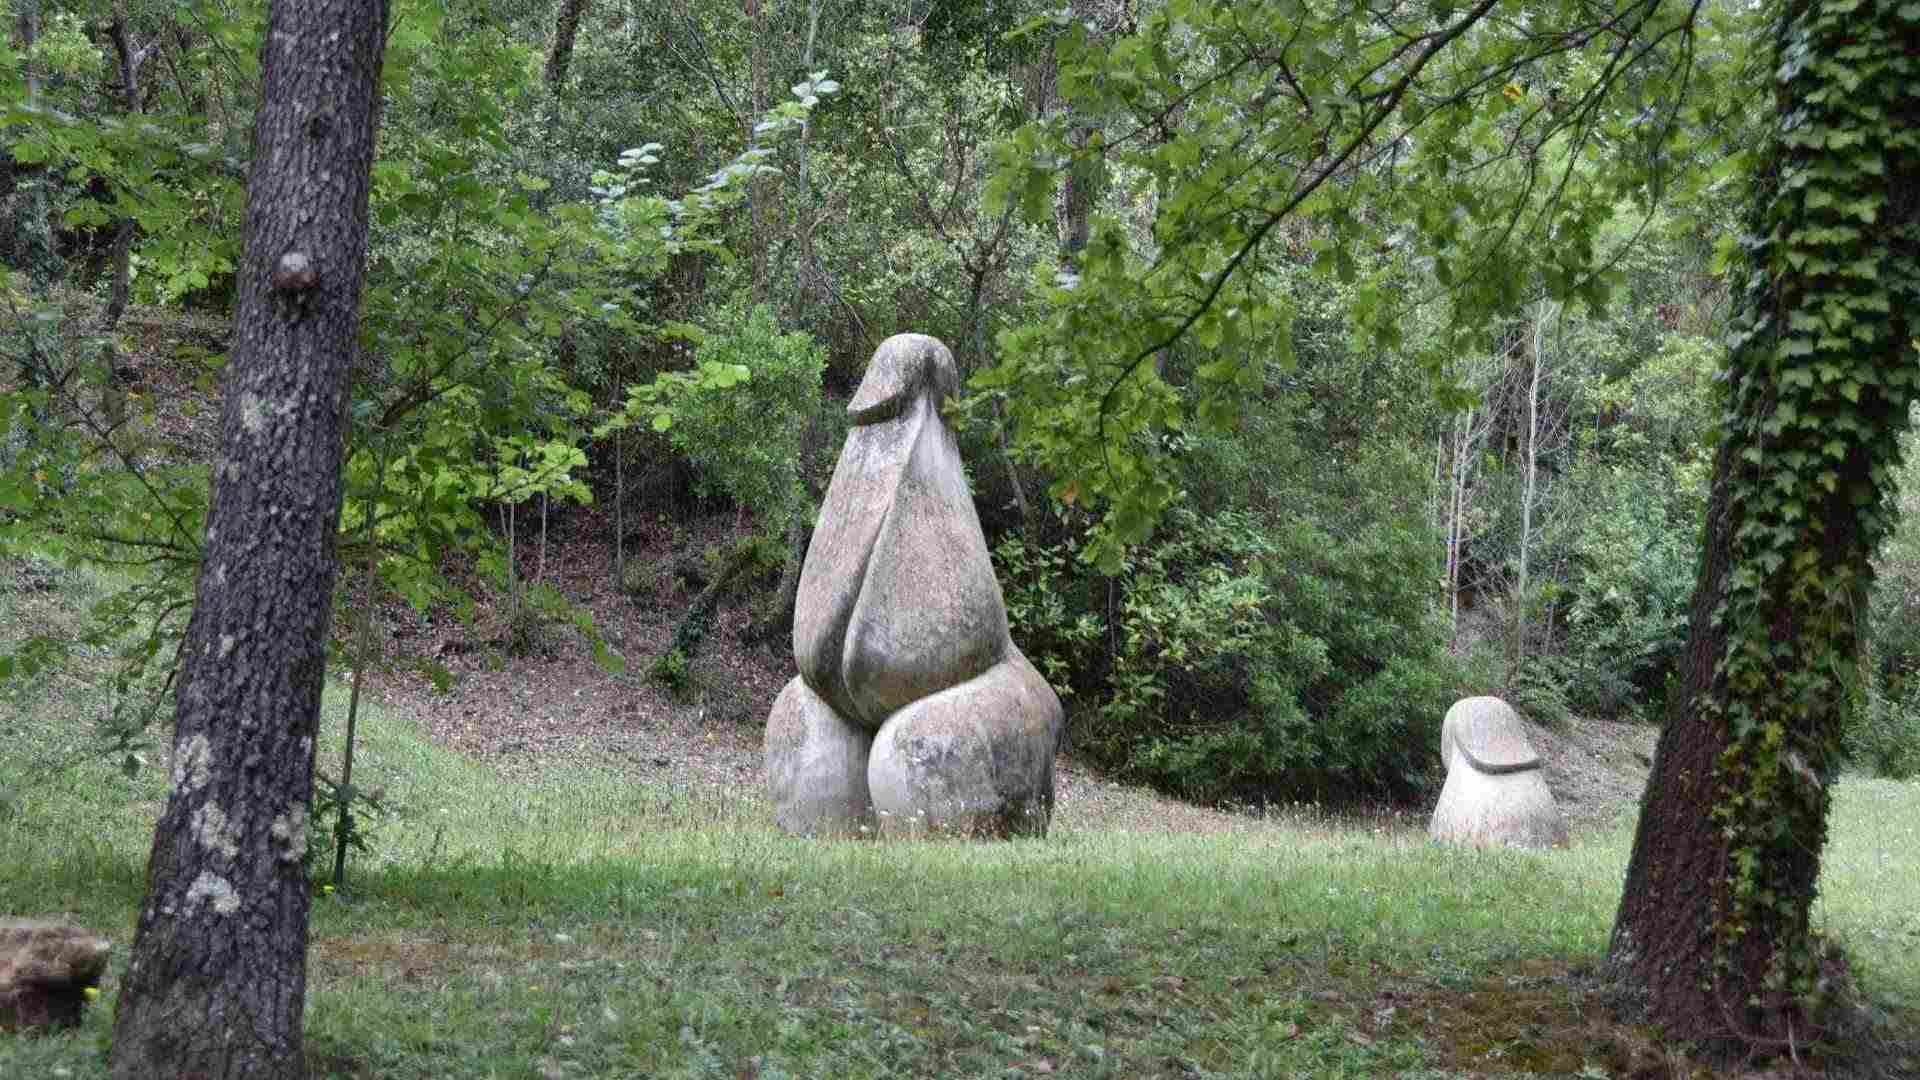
(1870, 884)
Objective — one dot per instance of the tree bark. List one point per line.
(1713, 924)
(566, 29)
(120, 290)
(26, 21)
(1530, 492)
(1666, 916)
(759, 188)
(1073, 204)
(216, 986)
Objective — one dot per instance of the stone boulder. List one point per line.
(46, 969)
(1496, 793)
(913, 709)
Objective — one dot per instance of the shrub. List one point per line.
(1246, 659)
(1632, 580)
(1882, 735)
(745, 435)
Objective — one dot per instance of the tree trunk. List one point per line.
(1530, 493)
(1713, 923)
(1462, 469)
(1073, 204)
(120, 290)
(759, 188)
(26, 21)
(566, 29)
(1679, 861)
(216, 986)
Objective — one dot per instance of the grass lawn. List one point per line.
(589, 926)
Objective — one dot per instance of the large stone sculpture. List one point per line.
(913, 710)
(1495, 793)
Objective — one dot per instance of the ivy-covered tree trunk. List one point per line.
(1713, 924)
(217, 981)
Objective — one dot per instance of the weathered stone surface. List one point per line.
(1496, 793)
(974, 760)
(816, 766)
(900, 630)
(897, 595)
(46, 969)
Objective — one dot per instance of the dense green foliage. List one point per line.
(739, 415)
(1245, 659)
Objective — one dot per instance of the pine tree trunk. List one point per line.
(216, 986)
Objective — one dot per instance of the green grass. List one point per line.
(590, 926)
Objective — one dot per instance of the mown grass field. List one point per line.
(586, 925)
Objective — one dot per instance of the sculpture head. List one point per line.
(904, 367)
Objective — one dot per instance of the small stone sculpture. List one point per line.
(913, 710)
(1495, 793)
(46, 969)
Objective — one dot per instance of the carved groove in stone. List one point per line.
(1496, 791)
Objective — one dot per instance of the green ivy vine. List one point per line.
(1821, 373)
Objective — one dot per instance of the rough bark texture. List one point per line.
(566, 29)
(1073, 205)
(217, 982)
(128, 63)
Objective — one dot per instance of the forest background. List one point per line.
(637, 254)
(1283, 440)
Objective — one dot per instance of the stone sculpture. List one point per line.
(1495, 792)
(913, 710)
(46, 970)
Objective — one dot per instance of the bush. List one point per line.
(1883, 733)
(1244, 659)
(745, 436)
(1538, 690)
(1631, 585)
